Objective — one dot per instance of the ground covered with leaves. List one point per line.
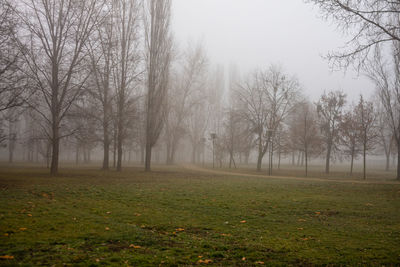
(179, 217)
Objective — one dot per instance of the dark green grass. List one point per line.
(288, 222)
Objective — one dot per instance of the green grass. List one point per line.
(89, 217)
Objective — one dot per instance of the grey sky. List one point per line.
(255, 33)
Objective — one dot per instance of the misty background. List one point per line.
(256, 33)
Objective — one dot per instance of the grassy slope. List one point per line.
(89, 217)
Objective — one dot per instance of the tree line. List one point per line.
(78, 76)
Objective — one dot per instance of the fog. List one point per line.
(253, 34)
(221, 83)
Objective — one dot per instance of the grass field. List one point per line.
(175, 216)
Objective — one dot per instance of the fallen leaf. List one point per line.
(138, 214)
(179, 229)
(259, 262)
(204, 261)
(107, 228)
(243, 221)
(134, 246)
(7, 257)
(305, 239)
(317, 212)
(301, 220)
(23, 228)
(30, 215)
(97, 260)
(108, 212)
(200, 257)
(5, 234)
(244, 258)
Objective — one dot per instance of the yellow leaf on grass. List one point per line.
(107, 228)
(30, 215)
(5, 234)
(23, 228)
(204, 261)
(134, 246)
(305, 239)
(244, 258)
(317, 212)
(243, 221)
(6, 257)
(179, 229)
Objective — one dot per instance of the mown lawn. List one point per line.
(178, 217)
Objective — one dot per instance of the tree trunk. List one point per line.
(306, 159)
(293, 158)
(148, 157)
(106, 147)
(194, 150)
(141, 154)
(168, 152)
(398, 161)
(364, 161)
(55, 148)
(387, 162)
(259, 161)
(77, 155)
(279, 159)
(302, 158)
(351, 164)
(119, 153)
(328, 158)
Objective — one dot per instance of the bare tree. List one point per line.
(305, 128)
(54, 55)
(366, 124)
(101, 47)
(349, 140)
(330, 108)
(386, 138)
(386, 76)
(183, 95)
(126, 68)
(370, 22)
(158, 59)
(12, 81)
(267, 97)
